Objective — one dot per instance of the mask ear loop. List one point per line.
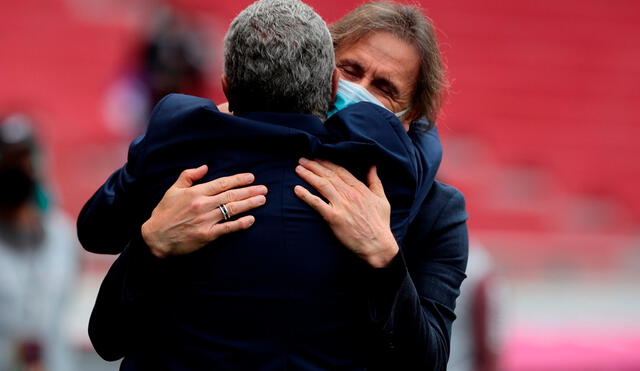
(403, 112)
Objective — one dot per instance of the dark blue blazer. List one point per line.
(283, 294)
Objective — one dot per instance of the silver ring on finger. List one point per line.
(226, 215)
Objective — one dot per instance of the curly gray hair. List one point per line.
(279, 57)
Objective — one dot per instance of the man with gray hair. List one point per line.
(285, 293)
(279, 58)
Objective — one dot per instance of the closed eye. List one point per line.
(348, 72)
(386, 87)
(351, 70)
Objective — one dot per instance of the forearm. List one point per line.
(413, 331)
(411, 305)
(106, 222)
(412, 300)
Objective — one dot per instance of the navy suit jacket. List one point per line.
(285, 293)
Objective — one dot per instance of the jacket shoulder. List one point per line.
(178, 106)
(443, 196)
(173, 112)
(443, 193)
(444, 205)
(181, 102)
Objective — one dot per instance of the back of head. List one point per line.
(407, 23)
(279, 58)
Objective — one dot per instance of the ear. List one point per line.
(334, 84)
(225, 90)
(225, 86)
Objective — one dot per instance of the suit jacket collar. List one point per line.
(307, 123)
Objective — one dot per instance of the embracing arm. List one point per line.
(106, 222)
(185, 219)
(412, 291)
(111, 218)
(413, 299)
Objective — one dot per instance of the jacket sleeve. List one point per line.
(108, 220)
(113, 215)
(412, 300)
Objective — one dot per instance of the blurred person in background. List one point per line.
(416, 298)
(170, 59)
(479, 330)
(38, 258)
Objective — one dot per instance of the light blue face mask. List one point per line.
(351, 93)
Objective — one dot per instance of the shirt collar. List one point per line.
(307, 123)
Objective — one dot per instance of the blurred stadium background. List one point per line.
(540, 132)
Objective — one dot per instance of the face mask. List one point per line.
(351, 93)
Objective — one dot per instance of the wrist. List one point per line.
(157, 249)
(384, 254)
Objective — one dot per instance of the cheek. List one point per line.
(388, 103)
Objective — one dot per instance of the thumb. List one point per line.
(187, 177)
(375, 185)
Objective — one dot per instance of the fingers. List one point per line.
(319, 182)
(234, 208)
(213, 187)
(315, 202)
(332, 172)
(220, 229)
(375, 184)
(236, 200)
(315, 167)
(188, 176)
(235, 195)
(342, 173)
(239, 207)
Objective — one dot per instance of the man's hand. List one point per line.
(358, 214)
(188, 217)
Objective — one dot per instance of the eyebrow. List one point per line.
(383, 80)
(352, 63)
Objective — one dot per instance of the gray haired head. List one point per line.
(279, 58)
